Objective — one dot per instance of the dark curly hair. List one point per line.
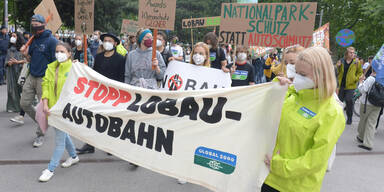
(19, 42)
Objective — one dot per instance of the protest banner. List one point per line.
(84, 16)
(201, 22)
(217, 138)
(129, 27)
(267, 24)
(378, 65)
(157, 14)
(47, 8)
(321, 37)
(185, 76)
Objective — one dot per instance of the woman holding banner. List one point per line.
(310, 125)
(53, 82)
(287, 66)
(140, 69)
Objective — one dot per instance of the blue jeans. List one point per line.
(63, 141)
(2, 68)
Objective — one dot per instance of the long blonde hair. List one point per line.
(323, 70)
(207, 55)
(293, 49)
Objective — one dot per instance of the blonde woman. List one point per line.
(287, 66)
(310, 125)
(200, 55)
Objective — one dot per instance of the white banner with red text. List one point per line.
(216, 138)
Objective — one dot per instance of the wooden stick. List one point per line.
(154, 45)
(85, 50)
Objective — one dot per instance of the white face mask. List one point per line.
(13, 40)
(210, 46)
(242, 56)
(300, 82)
(198, 59)
(61, 57)
(95, 37)
(291, 70)
(159, 43)
(108, 46)
(78, 42)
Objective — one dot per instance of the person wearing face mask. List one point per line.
(14, 62)
(78, 52)
(53, 82)
(110, 64)
(4, 42)
(176, 50)
(95, 43)
(160, 46)
(200, 55)
(243, 74)
(311, 123)
(40, 53)
(287, 66)
(216, 54)
(140, 69)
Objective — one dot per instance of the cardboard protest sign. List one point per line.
(46, 8)
(216, 138)
(157, 14)
(185, 76)
(267, 24)
(321, 37)
(201, 22)
(257, 51)
(84, 16)
(129, 27)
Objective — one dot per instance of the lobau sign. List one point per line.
(84, 16)
(129, 27)
(267, 24)
(157, 14)
(201, 22)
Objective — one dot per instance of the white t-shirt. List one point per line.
(177, 51)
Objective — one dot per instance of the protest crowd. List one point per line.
(35, 75)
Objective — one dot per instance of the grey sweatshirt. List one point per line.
(138, 69)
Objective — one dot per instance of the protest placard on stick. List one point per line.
(201, 22)
(129, 27)
(47, 9)
(84, 16)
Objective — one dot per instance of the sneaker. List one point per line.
(38, 141)
(45, 176)
(18, 119)
(181, 181)
(70, 161)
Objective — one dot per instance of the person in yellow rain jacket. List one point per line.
(53, 82)
(267, 67)
(310, 125)
(120, 49)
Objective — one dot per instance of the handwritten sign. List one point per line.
(201, 22)
(46, 8)
(129, 27)
(84, 16)
(267, 24)
(321, 37)
(157, 14)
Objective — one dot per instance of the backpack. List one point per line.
(375, 95)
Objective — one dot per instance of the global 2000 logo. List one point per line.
(216, 160)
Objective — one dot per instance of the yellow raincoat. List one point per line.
(308, 132)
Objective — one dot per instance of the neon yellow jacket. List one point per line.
(48, 84)
(354, 72)
(121, 50)
(308, 132)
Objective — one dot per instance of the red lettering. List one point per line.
(270, 40)
(100, 93)
(124, 98)
(112, 95)
(92, 85)
(155, 24)
(80, 85)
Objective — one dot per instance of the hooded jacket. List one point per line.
(42, 52)
(138, 69)
(48, 84)
(353, 74)
(308, 131)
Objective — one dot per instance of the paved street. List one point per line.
(354, 170)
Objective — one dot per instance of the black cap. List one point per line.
(3, 27)
(110, 35)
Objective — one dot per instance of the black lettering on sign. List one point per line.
(134, 107)
(168, 107)
(190, 84)
(129, 132)
(146, 135)
(189, 107)
(164, 141)
(233, 115)
(149, 107)
(79, 118)
(114, 126)
(101, 126)
(89, 116)
(67, 112)
(217, 111)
